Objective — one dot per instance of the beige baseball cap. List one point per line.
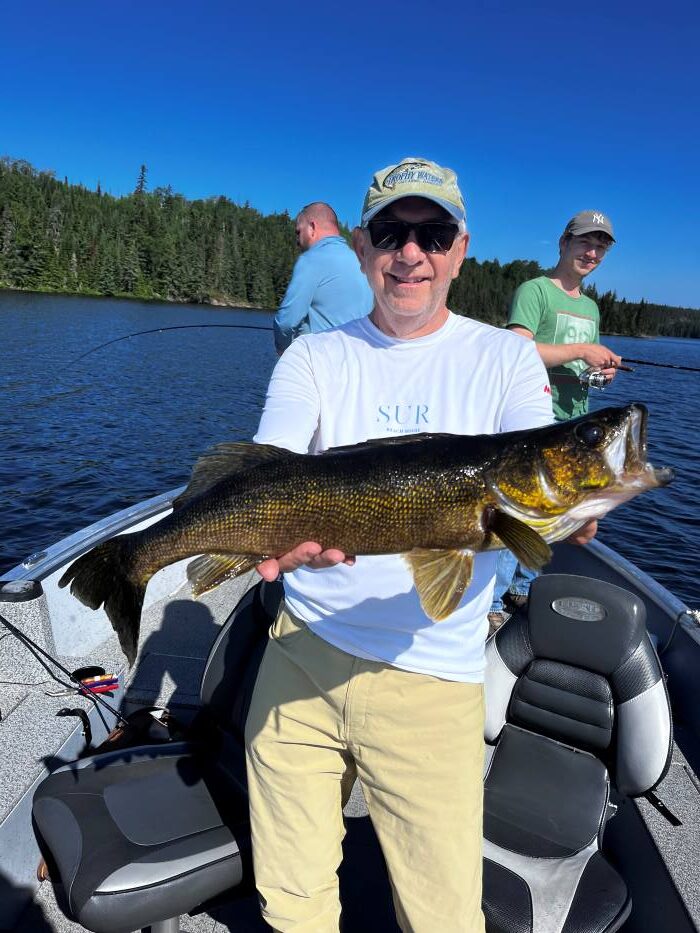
(414, 178)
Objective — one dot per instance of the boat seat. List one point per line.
(141, 835)
(576, 708)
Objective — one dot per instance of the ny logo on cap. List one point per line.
(598, 219)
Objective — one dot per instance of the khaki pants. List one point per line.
(320, 717)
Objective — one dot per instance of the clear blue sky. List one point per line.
(543, 109)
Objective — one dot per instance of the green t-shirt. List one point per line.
(555, 317)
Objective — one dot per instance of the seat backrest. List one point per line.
(578, 666)
(232, 666)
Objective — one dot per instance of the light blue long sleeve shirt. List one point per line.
(327, 288)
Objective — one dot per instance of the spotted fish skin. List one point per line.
(435, 498)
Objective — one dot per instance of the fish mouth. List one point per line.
(626, 453)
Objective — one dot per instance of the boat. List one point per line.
(199, 656)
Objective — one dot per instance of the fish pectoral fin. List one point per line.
(530, 548)
(225, 460)
(440, 577)
(209, 570)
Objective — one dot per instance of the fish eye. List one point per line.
(590, 434)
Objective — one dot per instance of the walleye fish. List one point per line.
(437, 499)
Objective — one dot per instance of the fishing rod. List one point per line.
(160, 330)
(688, 369)
(157, 330)
(76, 684)
(595, 379)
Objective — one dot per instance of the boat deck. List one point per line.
(177, 633)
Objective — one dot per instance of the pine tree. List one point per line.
(140, 189)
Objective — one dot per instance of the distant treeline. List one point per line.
(484, 290)
(59, 237)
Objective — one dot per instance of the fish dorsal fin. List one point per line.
(530, 548)
(440, 577)
(392, 441)
(209, 570)
(226, 460)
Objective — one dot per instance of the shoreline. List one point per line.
(226, 303)
(122, 296)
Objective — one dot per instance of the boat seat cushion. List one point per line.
(542, 798)
(136, 836)
(544, 808)
(579, 666)
(583, 895)
(565, 703)
(232, 667)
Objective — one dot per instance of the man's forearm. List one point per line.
(282, 337)
(593, 354)
(555, 354)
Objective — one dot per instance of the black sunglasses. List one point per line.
(432, 236)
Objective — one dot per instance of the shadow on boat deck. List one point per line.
(364, 890)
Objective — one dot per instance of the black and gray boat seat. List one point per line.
(140, 836)
(576, 707)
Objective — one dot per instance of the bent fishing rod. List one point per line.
(157, 330)
(161, 330)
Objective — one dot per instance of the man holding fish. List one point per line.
(357, 680)
(396, 455)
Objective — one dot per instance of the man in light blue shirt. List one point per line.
(327, 286)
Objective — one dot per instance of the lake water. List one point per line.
(128, 421)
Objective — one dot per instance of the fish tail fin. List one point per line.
(105, 575)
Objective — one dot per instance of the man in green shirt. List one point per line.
(564, 323)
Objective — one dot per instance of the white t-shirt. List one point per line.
(354, 383)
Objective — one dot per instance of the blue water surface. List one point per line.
(128, 421)
(660, 531)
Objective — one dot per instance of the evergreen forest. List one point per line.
(61, 237)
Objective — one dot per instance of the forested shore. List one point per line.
(60, 237)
